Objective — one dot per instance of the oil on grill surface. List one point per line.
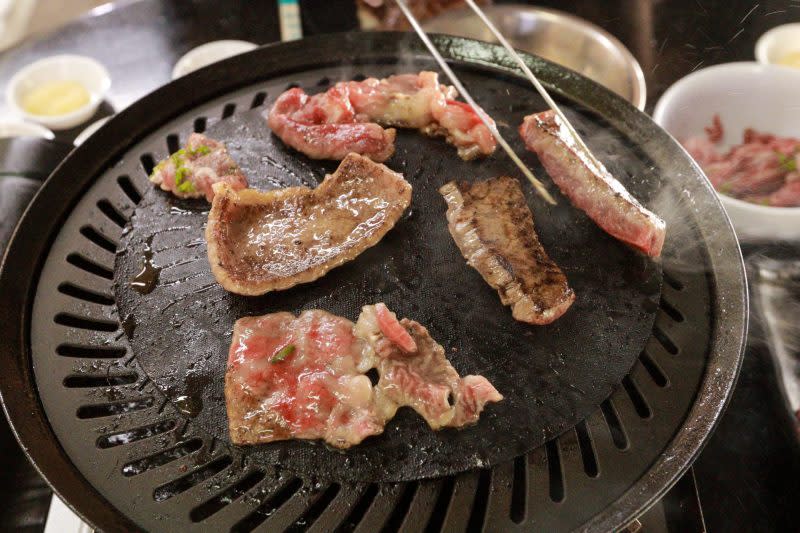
(159, 468)
(549, 376)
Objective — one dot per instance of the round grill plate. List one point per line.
(113, 445)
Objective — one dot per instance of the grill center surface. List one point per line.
(552, 377)
(101, 431)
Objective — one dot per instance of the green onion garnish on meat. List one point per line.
(787, 162)
(182, 183)
(283, 353)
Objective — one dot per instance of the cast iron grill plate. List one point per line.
(551, 377)
(131, 459)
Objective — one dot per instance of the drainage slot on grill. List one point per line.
(614, 425)
(90, 266)
(110, 409)
(637, 398)
(99, 239)
(90, 352)
(673, 313)
(266, 509)
(180, 485)
(228, 110)
(373, 376)
(442, 504)
(112, 213)
(133, 435)
(292, 85)
(359, 77)
(81, 381)
(401, 508)
(665, 341)
(80, 322)
(230, 495)
(129, 189)
(160, 459)
(519, 489)
(258, 99)
(317, 508)
(84, 294)
(555, 475)
(672, 282)
(360, 509)
(148, 163)
(588, 455)
(478, 515)
(200, 124)
(655, 371)
(173, 143)
(324, 82)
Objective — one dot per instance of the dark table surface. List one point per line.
(748, 475)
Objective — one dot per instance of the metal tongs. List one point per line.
(540, 188)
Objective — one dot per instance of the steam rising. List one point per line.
(777, 299)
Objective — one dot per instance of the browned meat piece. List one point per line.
(592, 190)
(298, 378)
(266, 241)
(414, 372)
(493, 227)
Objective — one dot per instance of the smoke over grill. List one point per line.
(104, 431)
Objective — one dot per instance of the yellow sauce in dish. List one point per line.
(55, 98)
(792, 59)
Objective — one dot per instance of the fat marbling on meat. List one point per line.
(414, 372)
(591, 188)
(265, 241)
(298, 378)
(492, 225)
(324, 126)
(352, 115)
(192, 171)
(305, 378)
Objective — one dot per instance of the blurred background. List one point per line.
(748, 477)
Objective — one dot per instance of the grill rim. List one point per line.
(22, 264)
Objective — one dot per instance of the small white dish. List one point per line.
(18, 128)
(208, 53)
(777, 43)
(89, 131)
(85, 70)
(745, 95)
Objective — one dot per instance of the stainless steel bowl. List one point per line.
(558, 37)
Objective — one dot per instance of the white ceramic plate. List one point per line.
(764, 97)
(24, 129)
(209, 53)
(89, 131)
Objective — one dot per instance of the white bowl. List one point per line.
(778, 42)
(208, 53)
(84, 70)
(18, 128)
(764, 97)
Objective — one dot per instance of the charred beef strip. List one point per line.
(493, 227)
